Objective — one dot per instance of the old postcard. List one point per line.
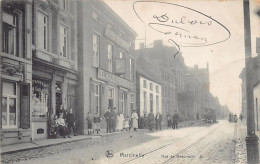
(130, 81)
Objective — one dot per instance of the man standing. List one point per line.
(150, 120)
(175, 119)
(71, 122)
(158, 120)
(114, 117)
(108, 117)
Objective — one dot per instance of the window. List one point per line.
(122, 101)
(97, 98)
(132, 102)
(42, 31)
(63, 41)
(157, 103)
(121, 55)
(10, 36)
(131, 69)
(144, 83)
(151, 86)
(9, 105)
(157, 89)
(95, 50)
(110, 57)
(111, 95)
(64, 4)
(151, 102)
(145, 103)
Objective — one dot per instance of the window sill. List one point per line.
(3, 54)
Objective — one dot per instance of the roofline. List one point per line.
(117, 17)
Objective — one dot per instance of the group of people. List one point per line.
(151, 120)
(173, 120)
(63, 122)
(117, 122)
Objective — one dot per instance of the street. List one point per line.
(206, 143)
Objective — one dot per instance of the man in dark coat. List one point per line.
(175, 119)
(108, 116)
(70, 119)
(158, 120)
(114, 117)
(150, 120)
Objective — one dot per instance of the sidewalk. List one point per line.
(50, 142)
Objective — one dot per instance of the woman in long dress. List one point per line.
(134, 120)
(120, 121)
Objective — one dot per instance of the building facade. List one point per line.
(39, 66)
(16, 71)
(106, 61)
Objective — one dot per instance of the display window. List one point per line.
(40, 98)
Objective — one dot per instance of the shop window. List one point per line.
(63, 41)
(95, 50)
(40, 98)
(42, 31)
(110, 57)
(10, 34)
(9, 105)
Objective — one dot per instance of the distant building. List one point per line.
(158, 60)
(106, 61)
(148, 88)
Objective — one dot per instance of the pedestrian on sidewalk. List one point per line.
(96, 122)
(53, 126)
(169, 119)
(114, 117)
(134, 120)
(71, 122)
(127, 123)
(108, 117)
(120, 121)
(175, 120)
(158, 120)
(62, 110)
(89, 123)
(150, 120)
(61, 126)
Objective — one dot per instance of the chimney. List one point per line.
(141, 45)
(157, 43)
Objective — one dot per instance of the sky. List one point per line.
(220, 43)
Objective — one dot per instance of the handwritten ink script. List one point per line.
(182, 26)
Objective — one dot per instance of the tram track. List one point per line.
(154, 151)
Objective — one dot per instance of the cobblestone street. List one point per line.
(217, 143)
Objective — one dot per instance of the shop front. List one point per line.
(51, 88)
(109, 90)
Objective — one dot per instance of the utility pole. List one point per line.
(251, 139)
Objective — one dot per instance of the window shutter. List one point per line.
(25, 106)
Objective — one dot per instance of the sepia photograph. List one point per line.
(129, 81)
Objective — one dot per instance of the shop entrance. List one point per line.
(58, 97)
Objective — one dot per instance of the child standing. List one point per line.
(89, 123)
(96, 121)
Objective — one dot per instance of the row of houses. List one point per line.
(255, 82)
(82, 55)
